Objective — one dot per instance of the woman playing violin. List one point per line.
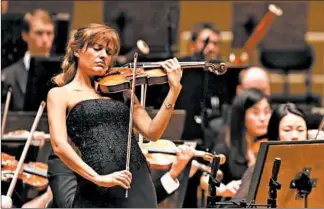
(98, 125)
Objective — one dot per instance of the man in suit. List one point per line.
(38, 33)
(206, 41)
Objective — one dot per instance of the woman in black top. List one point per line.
(249, 117)
(287, 123)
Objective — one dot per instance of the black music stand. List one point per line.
(301, 173)
(41, 71)
(175, 126)
(23, 120)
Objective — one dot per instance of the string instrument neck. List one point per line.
(172, 151)
(217, 68)
(154, 65)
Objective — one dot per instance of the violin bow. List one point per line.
(130, 128)
(26, 147)
(5, 112)
(321, 126)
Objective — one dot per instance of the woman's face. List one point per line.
(292, 128)
(257, 118)
(95, 59)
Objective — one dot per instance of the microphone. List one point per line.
(275, 169)
(204, 47)
(200, 55)
(273, 184)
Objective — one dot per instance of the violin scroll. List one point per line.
(218, 69)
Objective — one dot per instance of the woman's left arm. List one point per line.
(153, 129)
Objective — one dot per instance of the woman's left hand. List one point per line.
(174, 72)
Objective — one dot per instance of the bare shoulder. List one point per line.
(57, 95)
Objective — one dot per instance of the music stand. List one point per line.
(23, 120)
(175, 127)
(41, 71)
(300, 161)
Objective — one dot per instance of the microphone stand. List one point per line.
(213, 183)
(198, 57)
(203, 105)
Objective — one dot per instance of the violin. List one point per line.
(161, 154)
(19, 167)
(242, 58)
(151, 73)
(37, 172)
(33, 174)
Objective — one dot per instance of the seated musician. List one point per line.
(287, 123)
(200, 33)
(38, 33)
(252, 77)
(250, 113)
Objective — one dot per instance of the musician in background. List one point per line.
(250, 114)
(205, 45)
(38, 33)
(252, 77)
(206, 42)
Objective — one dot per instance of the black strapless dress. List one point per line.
(99, 128)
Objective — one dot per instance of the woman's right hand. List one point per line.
(119, 178)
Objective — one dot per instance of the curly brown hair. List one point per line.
(87, 35)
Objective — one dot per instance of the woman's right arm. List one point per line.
(56, 113)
